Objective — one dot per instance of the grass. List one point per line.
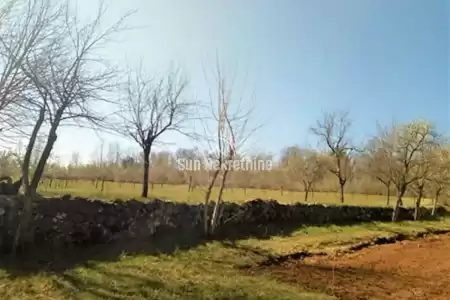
(208, 271)
(205, 272)
(180, 193)
(334, 238)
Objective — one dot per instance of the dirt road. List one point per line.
(417, 269)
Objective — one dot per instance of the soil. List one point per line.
(418, 269)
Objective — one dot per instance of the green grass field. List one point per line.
(180, 193)
(209, 271)
(206, 272)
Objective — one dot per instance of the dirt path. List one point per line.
(406, 270)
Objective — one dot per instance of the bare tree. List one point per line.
(150, 109)
(68, 78)
(26, 30)
(406, 144)
(231, 134)
(333, 131)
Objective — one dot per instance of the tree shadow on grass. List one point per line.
(58, 261)
(164, 242)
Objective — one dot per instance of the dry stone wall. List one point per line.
(67, 221)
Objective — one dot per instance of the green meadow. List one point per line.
(114, 190)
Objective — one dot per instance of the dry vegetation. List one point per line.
(51, 76)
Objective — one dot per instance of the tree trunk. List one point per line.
(21, 235)
(398, 204)
(341, 188)
(217, 208)
(27, 157)
(306, 195)
(417, 208)
(207, 196)
(190, 184)
(388, 195)
(306, 188)
(43, 160)
(418, 201)
(46, 152)
(435, 201)
(433, 211)
(396, 209)
(144, 193)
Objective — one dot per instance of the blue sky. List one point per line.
(380, 60)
